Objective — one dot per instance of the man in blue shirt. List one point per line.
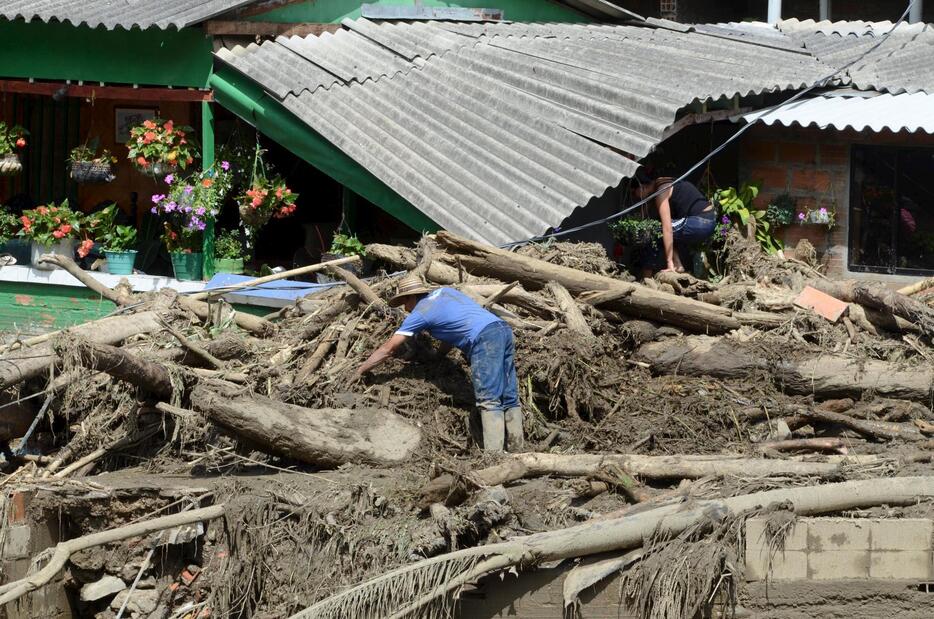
(457, 320)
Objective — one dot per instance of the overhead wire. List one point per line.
(817, 84)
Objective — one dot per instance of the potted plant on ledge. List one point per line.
(158, 147)
(228, 253)
(190, 203)
(343, 246)
(118, 241)
(89, 165)
(53, 229)
(12, 139)
(9, 244)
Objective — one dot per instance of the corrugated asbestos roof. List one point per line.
(856, 110)
(120, 13)
(499, 131)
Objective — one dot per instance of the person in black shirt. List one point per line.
(687, 217)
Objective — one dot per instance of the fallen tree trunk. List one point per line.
(828, 376)
(316, 436)
(523, 465)
(438, 272)
(533, 273)
(917, 287)
(573, 317)
(876, 429)
(25, 363)
(327, 436)
(64, 550)
(384, 596)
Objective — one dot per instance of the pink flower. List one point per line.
(802, 216)
(225, 165)
(169, 179)
(85, 248)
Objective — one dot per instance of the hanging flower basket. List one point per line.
(89, 172)
(10, 165)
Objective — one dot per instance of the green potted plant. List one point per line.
(10, 225)
(781, 210)
(12, 139)
(187, 207)
(228, 253)
(158, 147)
(266, 199)
(53, 229)
(90, 164)
(118, 241)
(343, 246)
(634, 232)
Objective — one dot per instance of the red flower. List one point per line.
(207, 182)
(58, 234)
(66, 228)
(42, 210)
(85, 248)
(148, 137)
(190, 161)
(27, 224)
(21, 143)
(168, 126)
(141, 161)
(149, 124)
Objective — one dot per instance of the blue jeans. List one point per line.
(496, 388)
(687, 233)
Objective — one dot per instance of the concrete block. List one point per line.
(838, 564)
(788, 565)
(18, 542)
(835, 534)
(901, 534)
(796, 539)
(98, 590)
(901, 564)
(140, 602)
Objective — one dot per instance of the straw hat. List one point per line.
(408, 285)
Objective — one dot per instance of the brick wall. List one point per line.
(813, 167)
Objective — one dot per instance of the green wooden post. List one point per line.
(207, 160)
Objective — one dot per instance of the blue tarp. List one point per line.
(283, 289)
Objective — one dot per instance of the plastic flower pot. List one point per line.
(228, 265)
(188, 266)
(120, 262)
(65, 247)
(92, 172)
(19, 249)
(161, 168)
(10, 164)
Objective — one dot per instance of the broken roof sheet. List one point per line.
(500, 131)
(120, 13)
(855, 110)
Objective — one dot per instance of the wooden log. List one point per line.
(533, 273)
(533, 303)
(524, 465)
(826, 375)
(25, 363)
(126, 366)
(495, 298)
(195, 349)
(878, 297)
(573, 317)
(805, 444)
(405, 258)
(917, 287)
(885, 430)
(69, 265)
(249, 322)
(367, 294)
(312, 268)
(324, 437)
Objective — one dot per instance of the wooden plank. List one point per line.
(106, 92)
(222, 27)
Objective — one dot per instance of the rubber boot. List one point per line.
(515, 438)
(494, 430)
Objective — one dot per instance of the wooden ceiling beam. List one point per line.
(220, 27)
(85, 91)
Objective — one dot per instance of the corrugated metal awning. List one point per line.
(859, 111)
(125, 14)
(499, 131)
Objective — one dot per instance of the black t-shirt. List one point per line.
(686, 200)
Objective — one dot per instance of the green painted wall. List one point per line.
(37, 308)
(333, 11)
(149, 57)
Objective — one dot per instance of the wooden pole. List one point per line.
(213, 294)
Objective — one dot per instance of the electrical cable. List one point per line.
(818, 84)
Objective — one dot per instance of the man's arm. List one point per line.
(382, 353)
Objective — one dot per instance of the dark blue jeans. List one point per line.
(496, 388)
(687, 234)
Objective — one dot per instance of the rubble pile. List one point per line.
(642, 400)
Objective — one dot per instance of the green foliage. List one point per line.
(347, 245)
(12, 138)
(91, 152)
(636, 232)
(158, 141)
(736, 204)
(781, 211)
(9, 225)
(102, 226)
(227, 245)
(50, 224)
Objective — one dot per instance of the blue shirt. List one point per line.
(450, 316)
